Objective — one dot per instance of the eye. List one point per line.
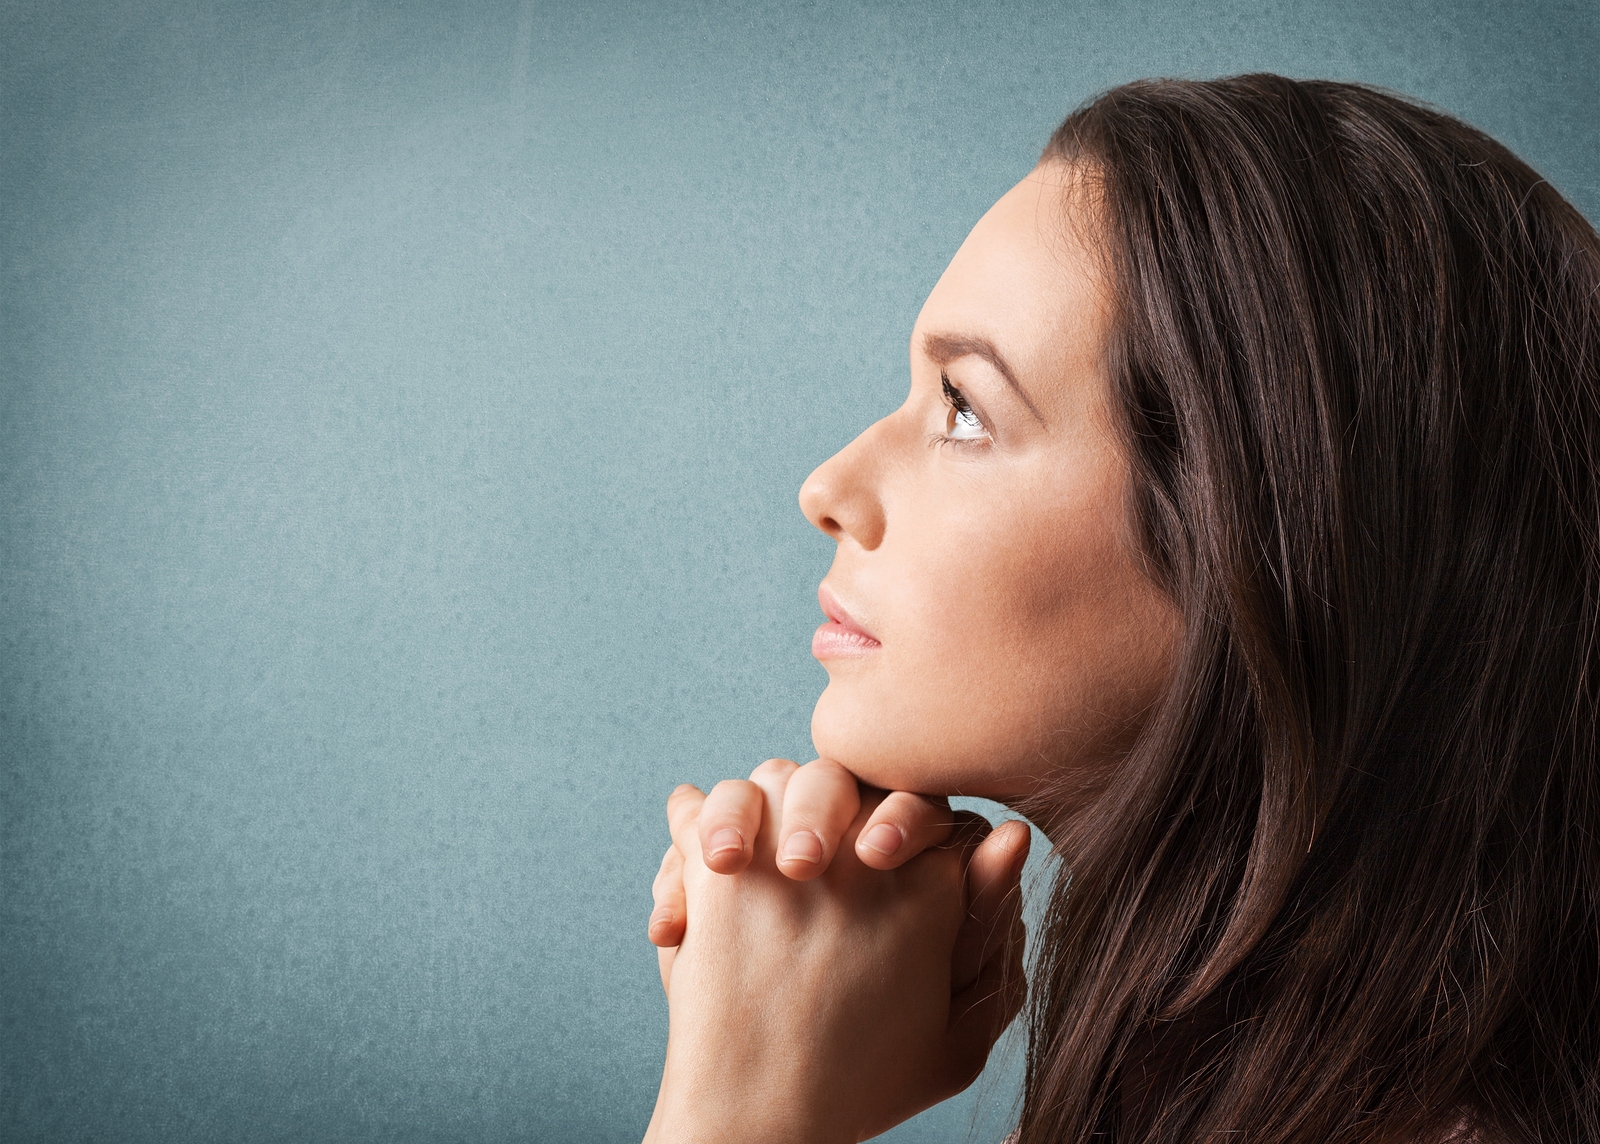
(963, 423)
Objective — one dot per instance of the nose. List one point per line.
(842, 496)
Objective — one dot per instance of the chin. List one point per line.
(886, 750)
(868, 748)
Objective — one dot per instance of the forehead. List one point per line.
(1028, 278)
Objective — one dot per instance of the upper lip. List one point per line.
(835, 611)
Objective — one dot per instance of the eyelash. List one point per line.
(956, 400)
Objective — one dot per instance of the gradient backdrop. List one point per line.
(401, 413)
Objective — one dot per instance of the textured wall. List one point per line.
(401, 413)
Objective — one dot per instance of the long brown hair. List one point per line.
(1347, 887)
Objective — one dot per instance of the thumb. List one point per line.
(981, 1012)
(994, 890)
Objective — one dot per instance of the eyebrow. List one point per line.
(946, 348)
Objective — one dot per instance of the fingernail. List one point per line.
(803, 846)
(725, 840)
(885, 838)
(661, 917)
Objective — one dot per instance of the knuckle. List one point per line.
(682, 800)
(821, 798)
(1012, 838)
(827, 768)
(774, 768)
(831, 777)
(747, 798)
(667, 886)
(910, 818)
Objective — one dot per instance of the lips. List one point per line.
(841, 637)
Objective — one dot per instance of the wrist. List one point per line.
(706, 1102)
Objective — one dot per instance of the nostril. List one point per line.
(840, 498)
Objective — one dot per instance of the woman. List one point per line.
(1242, 530)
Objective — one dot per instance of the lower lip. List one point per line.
(835, 641)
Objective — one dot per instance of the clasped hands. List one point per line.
(835, 959)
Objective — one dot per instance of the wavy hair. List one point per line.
(1347, 886)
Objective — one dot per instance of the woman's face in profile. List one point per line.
(989, 625)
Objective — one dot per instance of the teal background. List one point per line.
(401, 414)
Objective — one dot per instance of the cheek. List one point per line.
(1016, 643)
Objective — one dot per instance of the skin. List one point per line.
(834, 1008)
(983, 544)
